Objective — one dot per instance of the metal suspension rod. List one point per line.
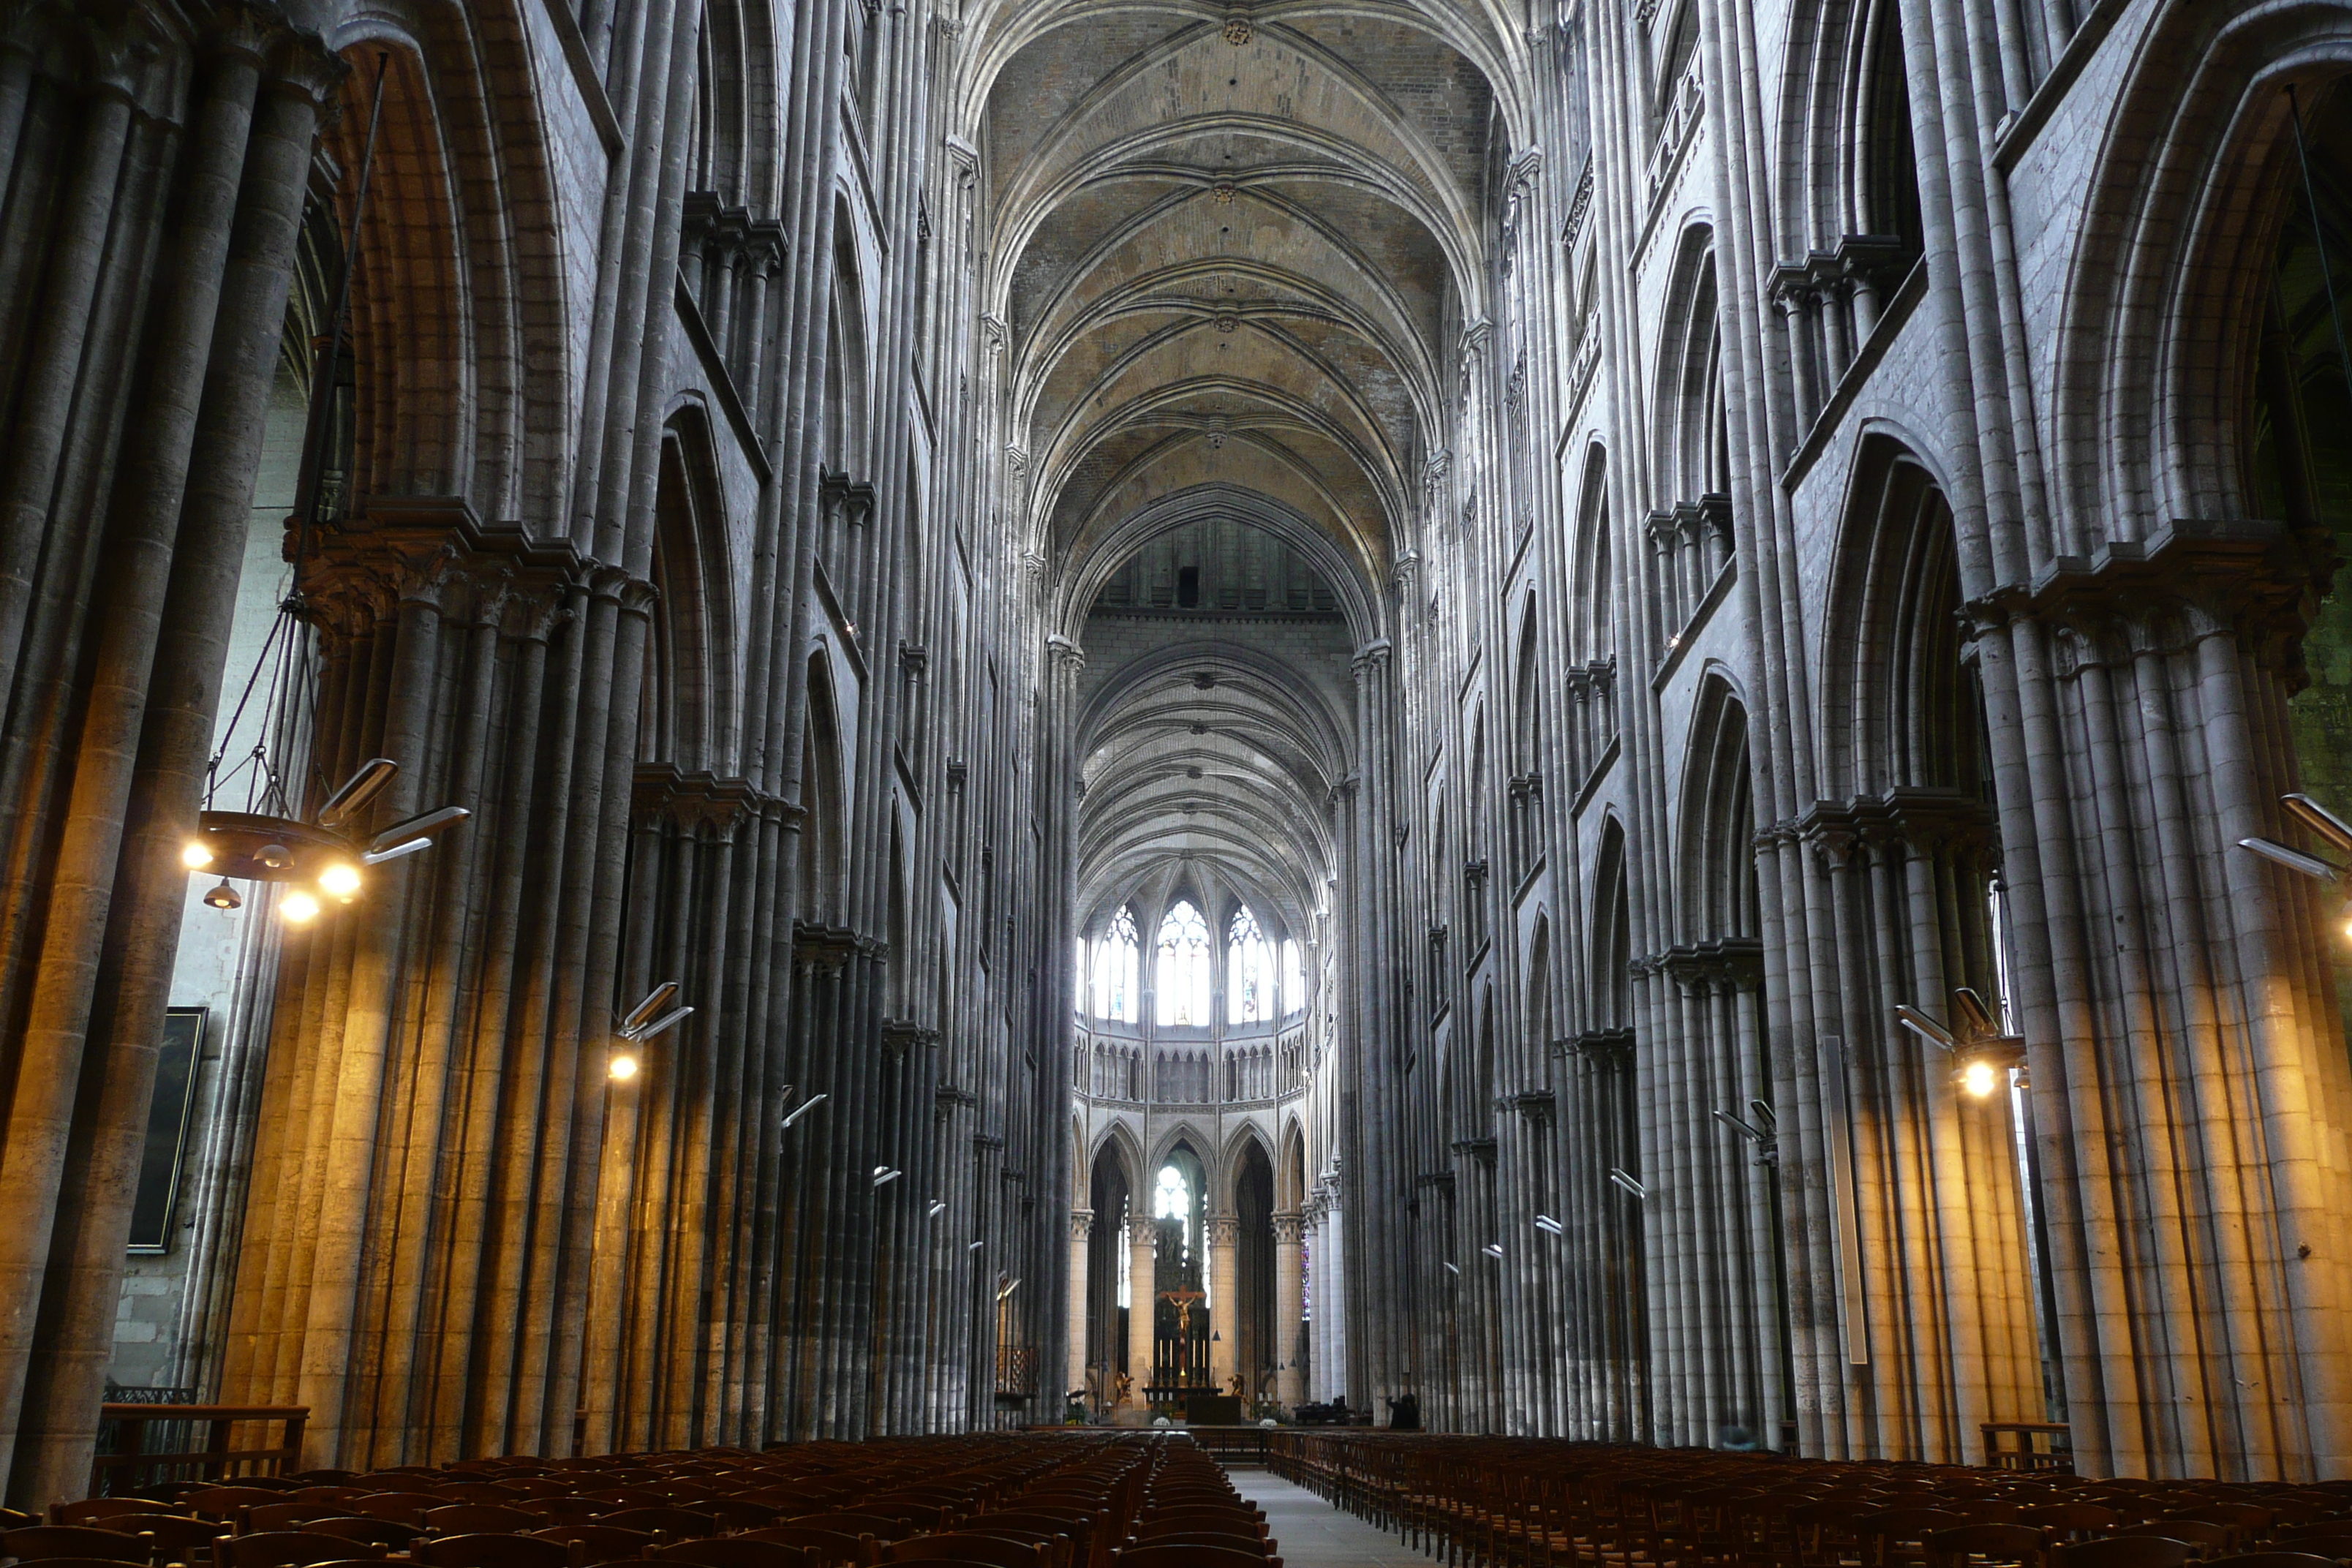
(322, 404)
(2318, 235)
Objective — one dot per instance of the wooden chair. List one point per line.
(487, 1549)
(733, 1552)
(550, 1510)
(39, 1542)
(227, 1502)
(289, 1549)
(824, 1547)
(480, 1518)
(740, 1513)
(598, 1543)
(2331, 1538)
(408, 1508)
(1188, 1557)
(958, 1546)
(170, 1538)
(2204, 1540)
(18, 1519)
(479, 1491)
(671, 1524)
(2069, 1522)
(2274, 1559)
(388, 1533)
(880, 1528)
(274, 1516)
(327, 1493)
(2123, 1551)
(91, 1511)
(1893, 1538)
(1255, 1546)
(1989, 1544)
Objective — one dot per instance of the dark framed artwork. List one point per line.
(167, 1130)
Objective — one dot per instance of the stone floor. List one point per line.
(1310, 1534)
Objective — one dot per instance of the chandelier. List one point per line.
(319, 857)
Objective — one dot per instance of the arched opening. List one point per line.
(1109, 1254)
(1255, 1349)
(1178, 1291)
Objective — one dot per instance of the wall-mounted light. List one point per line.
(1544, 1222)
(1628, 1182)
(623, 1067)
(805, 1107)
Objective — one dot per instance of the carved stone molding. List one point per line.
(698, 803)
(2257, 580)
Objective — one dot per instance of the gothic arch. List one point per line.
(2165, 292)
(1690, 451)
(1899, 706)
(689, 695)
(450, 284)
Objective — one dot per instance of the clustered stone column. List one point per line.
(1224, 1289)
(155, 172)
(1082, 1225)
(1143, 1301)
(1289, 1308)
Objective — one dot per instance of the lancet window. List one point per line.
(1181, 975)
(1249, 972)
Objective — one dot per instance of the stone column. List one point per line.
(1140, 1305)
(1082, 1225)
(1224, 1322)
(1288, 1307)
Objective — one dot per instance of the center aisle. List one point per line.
(1310, 1534)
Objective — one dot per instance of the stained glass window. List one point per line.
(1181, 974)
(1249, 971)
(1294, 979)
(1115, 970)
(1172, 1201)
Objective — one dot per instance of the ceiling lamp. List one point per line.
(322, 857)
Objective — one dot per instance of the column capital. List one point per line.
(1225, 1230)
(1082, 1223)
(1289, 1227)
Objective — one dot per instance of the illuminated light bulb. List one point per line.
(341, 880)
(224, 897)
(1979, 1079)
(197, 856)
(298, 908)
(622, 1068)
(277, 856)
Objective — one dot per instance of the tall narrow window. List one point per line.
(1181, 975)
(1115, 970)
(1249, 971)
(1293, 978)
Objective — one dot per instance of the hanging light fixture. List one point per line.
(320, 857)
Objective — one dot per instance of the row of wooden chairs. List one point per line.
(991, 1502)
(1548, 1504)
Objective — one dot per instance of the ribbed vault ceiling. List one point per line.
(1226, 247)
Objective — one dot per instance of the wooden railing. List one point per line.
(2025, 1456)
(134, 1463)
